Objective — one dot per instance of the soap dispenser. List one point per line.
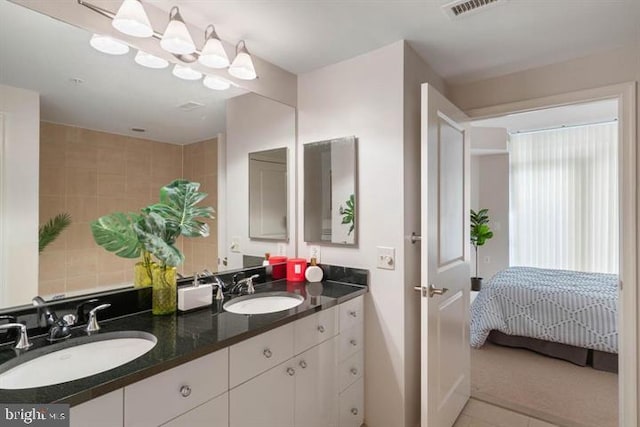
(313, 273)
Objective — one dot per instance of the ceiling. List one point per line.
(115, 95)
(303, 35)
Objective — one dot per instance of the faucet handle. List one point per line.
(22, 343)
(92, 324)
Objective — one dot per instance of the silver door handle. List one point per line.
(431, 290)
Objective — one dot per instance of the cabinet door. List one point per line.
(352, 405)
(103, 411)
(266, 400)
(214, 413)
(316, 402)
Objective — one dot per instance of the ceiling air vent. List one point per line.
(190, 106)
(460, 8)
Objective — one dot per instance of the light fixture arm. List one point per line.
(210, 33)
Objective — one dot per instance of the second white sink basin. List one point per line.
(262, 303)
(45, 367)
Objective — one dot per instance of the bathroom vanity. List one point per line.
(298, 367)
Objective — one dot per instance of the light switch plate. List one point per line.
(386, 258)
(235, 245)
(314, 252)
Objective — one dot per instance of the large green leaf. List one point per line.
(151, 230)
(480, 231)
(50, 231)
(177, 206)
(115, 233)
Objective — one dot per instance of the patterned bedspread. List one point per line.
(568, 307)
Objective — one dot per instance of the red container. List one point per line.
(295, 269)
(279, 269)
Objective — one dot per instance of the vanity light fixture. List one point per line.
(242, 66)
(213, 54)
(109, 45)
(216, 83)
(186, 73)
(176, 38)
(150, 61)
(132, 20)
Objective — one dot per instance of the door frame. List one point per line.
(629, 180)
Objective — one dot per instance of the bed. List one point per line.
(566, 314)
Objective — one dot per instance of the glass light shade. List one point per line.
(186, 73)
(176, 38)
(150, 61)
(109, 45)
(132, 20)
(216, 83)
(213, 54)
(242, 66)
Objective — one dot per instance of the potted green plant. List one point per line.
(348, 213)
(154, 232)
(480, 233)
(50, 231)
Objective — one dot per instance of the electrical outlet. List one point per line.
(314, 252)
(386, 258)
(282, 249)
(487, 260)
(235, 245)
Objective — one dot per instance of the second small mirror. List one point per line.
(330, 191)
(268, 194)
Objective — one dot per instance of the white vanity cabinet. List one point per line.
(103, 411)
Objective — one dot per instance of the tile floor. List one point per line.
(481, 414)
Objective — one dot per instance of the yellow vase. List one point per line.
(165, 288)
(142, 272)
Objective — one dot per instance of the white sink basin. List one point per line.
(262, 303)
(90, 356)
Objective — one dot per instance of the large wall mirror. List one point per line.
(268, 194)
(330, 201)
(111, 134)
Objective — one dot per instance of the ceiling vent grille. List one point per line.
(460, 8)
(190, 106)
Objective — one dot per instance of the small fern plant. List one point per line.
(52, 229)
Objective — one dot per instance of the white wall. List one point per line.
(19, 190)
(367, 97)
(255, 123)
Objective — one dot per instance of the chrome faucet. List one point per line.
(240, 283)
(92, 324)
(22, 342)
(220, 286)
(59, 329)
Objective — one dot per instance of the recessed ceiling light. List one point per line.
(109, 45)
(186, 73)
(216, 83)
(150, 61)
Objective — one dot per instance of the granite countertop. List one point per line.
(181, 338)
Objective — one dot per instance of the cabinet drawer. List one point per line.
(103, 411)
(351, 313)
(158, 399)
(351, 370)
(255, 355)
(315, 329)
(214, 413)
(352, 405)
(351, 341)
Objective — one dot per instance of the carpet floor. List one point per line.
(542, 387)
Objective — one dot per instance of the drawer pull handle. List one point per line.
(185, 391)
(267, 353)
(353, 313)
(321, 329)
(354, 411)
(353, 343)
(354, 371)
(291, 372)
(303, 364)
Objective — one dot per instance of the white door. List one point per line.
(445, 353)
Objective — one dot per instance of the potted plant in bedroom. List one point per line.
(480, 233)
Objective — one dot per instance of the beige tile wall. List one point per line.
(200, 165)
(89, 174)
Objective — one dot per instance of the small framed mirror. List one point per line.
(330, 201)
(268, 204)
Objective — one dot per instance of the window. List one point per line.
(564, 198)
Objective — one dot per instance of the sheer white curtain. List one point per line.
(564, 198)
